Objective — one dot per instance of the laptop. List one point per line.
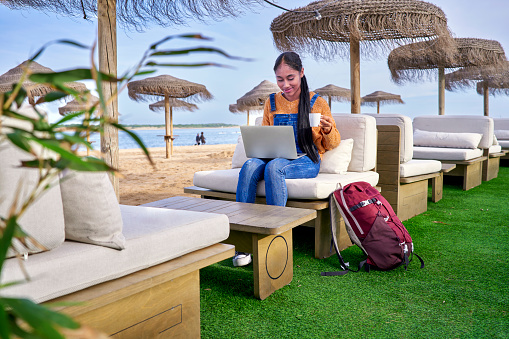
(269, 142)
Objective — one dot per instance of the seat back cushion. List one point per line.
(239, 154)
(501, 124)
(44, 219)
(405, 125)
(91, 210)
(458, 124)
(362, 129)
(447, 139)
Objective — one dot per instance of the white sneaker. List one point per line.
(241, 259)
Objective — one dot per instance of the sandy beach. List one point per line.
(143, 183)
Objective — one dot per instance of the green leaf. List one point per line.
(182, 36)
(5, 242)
(51, 96)
(62, 41)
(145, 72)
(136, 138)
(197, 50)
(69, 76)
(20, 141)
(151, 63)
(66, 118)
(4, 323)
(40, 318)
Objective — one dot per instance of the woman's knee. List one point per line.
(275, 166)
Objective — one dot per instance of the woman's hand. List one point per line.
(326, 123)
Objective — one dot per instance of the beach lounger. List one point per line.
(404, 180)
(502, 136)
(463, 140)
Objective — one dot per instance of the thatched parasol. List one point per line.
(76, 106)
(335, 93)
(418, 60)
(488, 79)
(326, 28)
(236, 109)
(168, 87)
(378, 97)
(255, 98)
(33, 89)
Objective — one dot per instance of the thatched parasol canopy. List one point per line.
(335, 93)
(379, 97)
(165, 85)
(33, 89)
(168, 87)
(76, 106)
(328, 29)
(493, 79)
(259, 94)
(254, 100)
(416, 61)
(178, 104)
(137, 14)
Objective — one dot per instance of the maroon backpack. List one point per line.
(372, 225)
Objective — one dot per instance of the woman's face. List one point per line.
(289, 81)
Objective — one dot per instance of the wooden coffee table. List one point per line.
(263, 230)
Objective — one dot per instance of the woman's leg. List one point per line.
(279, 169)
(249, 176)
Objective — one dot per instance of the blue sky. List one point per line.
(248, 35)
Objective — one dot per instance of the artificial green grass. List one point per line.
(463, 292)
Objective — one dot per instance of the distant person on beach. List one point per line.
(202, 139)
(198, 139)
(280, 109)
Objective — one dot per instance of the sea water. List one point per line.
(183, 137)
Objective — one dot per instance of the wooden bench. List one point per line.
(470, 170)
(321, 223)
(408, 196)
(263, 230)
(159, 302)
(491, 166)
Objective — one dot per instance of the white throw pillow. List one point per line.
(239, 155)
(502, 134)
(338, 159)
(91, 210)
(445, 139)
(495, 140)
(44, 219)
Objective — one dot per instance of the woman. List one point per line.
(281, 108)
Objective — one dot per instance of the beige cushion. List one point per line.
(44, 219)
(338, 159)
(362, 129)
(416, 167)
(504, 143)
(405, 125)
(239, 155)
(502, 134)
(495, 149)
(153, 236)
(442, 153)
(457, 124)
(446, 139)
(315, 188)
(91, 210)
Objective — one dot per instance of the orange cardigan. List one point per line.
(323, 142)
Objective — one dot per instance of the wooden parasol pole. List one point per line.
(247, 118)
(441, 91)
(167, 134)
(171, 129)
(355, 74)
(330, 106)
(486, 98)
(378, 107)
(107, 49)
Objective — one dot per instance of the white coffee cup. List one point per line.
(314, 119)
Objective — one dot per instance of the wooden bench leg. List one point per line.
(472, 175)
(272, 262)
(490, 168)
(437, 185)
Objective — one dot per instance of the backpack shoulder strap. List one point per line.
(313, 99)
(272, 98)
